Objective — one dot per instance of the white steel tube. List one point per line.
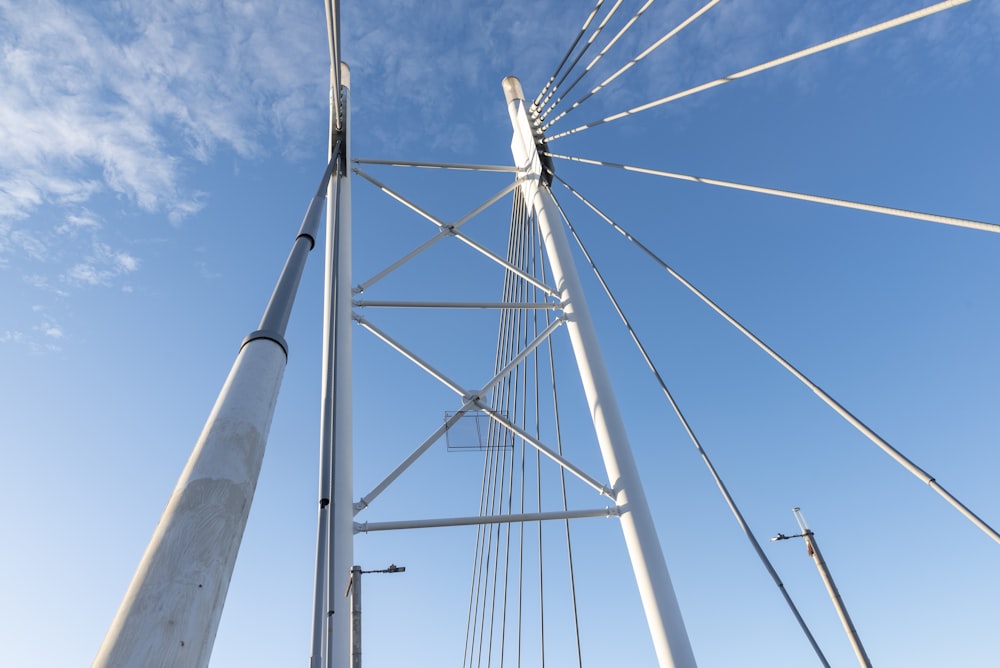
(322, 601)
(412, 356)
(171, 611)
(436, 165)
(367, 499)
(373, 303)
(467, 405)
(567, 465)
(663, 615)
(473, 520)
(338, 333)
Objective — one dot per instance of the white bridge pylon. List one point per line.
(663, 614)
(565, 294)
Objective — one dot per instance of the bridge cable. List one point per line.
(827, 399)
(789, 194)
(535, 248)
(653, 47)
(586, 47)
(503, 356)
(562, 483)
(866, 32)
(517, 222)
(515, 409)
(596, 59)
(730, 501)
(489, 622)
(510, 404)
(505, 401)
(569, 52)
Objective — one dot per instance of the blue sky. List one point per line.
(155, 162)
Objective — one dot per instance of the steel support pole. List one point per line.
(337, 404)
(171, 611)
(666, 626)
(170, 614)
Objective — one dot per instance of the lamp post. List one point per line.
(813, 549)
(354, 591)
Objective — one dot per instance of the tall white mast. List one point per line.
(342, 498)
(673, 649)
(331, 641)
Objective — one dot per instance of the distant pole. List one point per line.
(354, 591)
(663, 614)
(170, 614)
(813, 548)
(355, 588)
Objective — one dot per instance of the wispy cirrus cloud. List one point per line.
(43, 336)
(117, 97)
(100, 266)
(431, 71)
(118, 103)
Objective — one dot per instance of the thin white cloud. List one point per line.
(28, 243)
(52, 331)
(119, 97)
(44, 339)
(101, 266)
(75, 222)
(12, 336)
(423, 67)
(120, 102)
(124, 100)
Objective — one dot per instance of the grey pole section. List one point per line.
(831, 588)
(355, 588)
(170, 614)
(354, 591)
(663, 615)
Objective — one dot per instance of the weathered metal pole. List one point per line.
(813, 548)
(666, 626)
(171, 611)
(355, 587)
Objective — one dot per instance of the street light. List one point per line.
(354, 591)
(813, 548)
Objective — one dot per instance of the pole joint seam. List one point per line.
(270, 335)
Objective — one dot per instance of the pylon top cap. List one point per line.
(512, 89)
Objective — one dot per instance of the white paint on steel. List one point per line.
(470, 402)
(445, 229)
(342, 500)
(673, 649)
(474, 520)
(566, 465)
(171, 611)
(412, 356)
(436, 165)
(373, 303)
